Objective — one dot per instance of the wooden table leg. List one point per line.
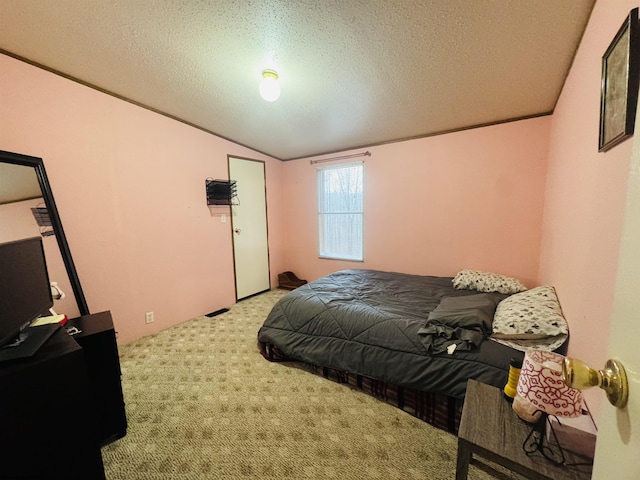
(462, 463)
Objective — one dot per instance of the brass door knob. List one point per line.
(612, 379)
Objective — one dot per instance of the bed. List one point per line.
(411, 340)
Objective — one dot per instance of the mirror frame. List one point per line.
(38, 165)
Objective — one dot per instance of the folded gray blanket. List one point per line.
(463, 321)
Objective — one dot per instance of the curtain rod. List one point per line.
(363, 154)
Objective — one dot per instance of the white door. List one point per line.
(249, 227)
(618, 443)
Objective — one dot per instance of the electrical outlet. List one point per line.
(148, 317)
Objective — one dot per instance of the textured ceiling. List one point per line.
(353, 72)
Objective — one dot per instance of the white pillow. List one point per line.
(530, 315)
(486, 282)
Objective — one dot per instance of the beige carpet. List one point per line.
(202, 403)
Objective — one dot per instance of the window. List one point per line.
(340, 211)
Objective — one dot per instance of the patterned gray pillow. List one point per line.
(530, 315)
(486, 282)
(549, 344)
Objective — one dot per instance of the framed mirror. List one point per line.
(27, 208)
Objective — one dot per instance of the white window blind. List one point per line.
(340, 211)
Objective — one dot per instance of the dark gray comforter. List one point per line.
(381, 325)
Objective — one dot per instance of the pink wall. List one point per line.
(129, 185)
(585, 198)
(433, 206)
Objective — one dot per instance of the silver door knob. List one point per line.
(237, 230)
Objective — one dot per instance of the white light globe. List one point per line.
(269, 87)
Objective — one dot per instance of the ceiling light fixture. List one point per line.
(269, 86)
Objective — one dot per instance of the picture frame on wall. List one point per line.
(619, 94)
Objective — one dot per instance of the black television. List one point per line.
(25, 290)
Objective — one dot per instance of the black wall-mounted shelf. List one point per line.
(41, 214)
(221, 192)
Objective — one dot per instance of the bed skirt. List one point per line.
(438, 410)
